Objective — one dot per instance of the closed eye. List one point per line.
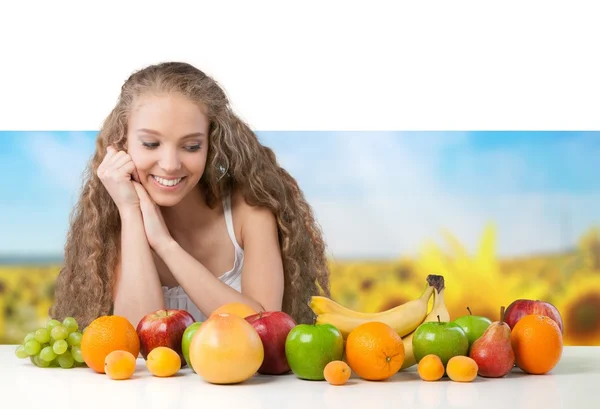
(189, 148)
(150, 145)
(193, 148)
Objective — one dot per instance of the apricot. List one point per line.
(163, 362)
(461, 368)
(430, 368)
(237, 308)
(337, 373)
(119, 365)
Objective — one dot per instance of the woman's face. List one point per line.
(167, 139)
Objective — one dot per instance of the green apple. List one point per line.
(444, 339)
(310, 347)
(473, 325)
(186, 340)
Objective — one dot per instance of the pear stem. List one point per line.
(468, 309)
(502, 309)
(439, 321)
(314, 319)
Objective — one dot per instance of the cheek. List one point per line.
(142, 161)
(196, 165)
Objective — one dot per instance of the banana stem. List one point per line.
(436, 281)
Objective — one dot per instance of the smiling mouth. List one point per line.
(168, 182)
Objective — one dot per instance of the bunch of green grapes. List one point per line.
(56, 345)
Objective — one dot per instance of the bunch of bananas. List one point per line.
(404, 319)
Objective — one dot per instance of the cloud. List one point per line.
(399, 201)
(61, 157)
(53, 165)
(375, 194)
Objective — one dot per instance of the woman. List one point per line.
(182, 207)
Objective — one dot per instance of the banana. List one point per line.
(324, 305)
(439, 309)
(404, 318)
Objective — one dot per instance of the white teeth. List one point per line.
(166, 182)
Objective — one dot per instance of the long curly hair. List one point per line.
(236, 159)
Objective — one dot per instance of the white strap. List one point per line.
(229, 221)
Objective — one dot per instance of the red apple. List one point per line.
(519, 308)
(163, 328)
(273, 328)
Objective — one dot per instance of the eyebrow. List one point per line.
(191, 135)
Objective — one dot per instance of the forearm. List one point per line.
(138, 290)
(205, 290)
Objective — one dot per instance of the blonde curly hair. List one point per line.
(236, 159)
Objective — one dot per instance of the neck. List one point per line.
(190, 213)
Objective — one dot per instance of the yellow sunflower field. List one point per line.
(479, 280)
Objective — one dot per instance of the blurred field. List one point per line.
(481, 281)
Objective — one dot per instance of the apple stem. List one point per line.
(502, 309)
(314, 319)
(468, 309)
(260, 313)
(439, 321)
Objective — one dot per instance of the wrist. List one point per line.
(129, 212)
(165, 247)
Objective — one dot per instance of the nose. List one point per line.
(169, 161)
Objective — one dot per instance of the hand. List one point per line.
(116, 173)
(157, 233)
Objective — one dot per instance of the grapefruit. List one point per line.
(226, 349)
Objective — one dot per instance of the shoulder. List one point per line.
(253, 220)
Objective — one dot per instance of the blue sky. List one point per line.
(380, 194)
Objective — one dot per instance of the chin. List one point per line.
(166, 200)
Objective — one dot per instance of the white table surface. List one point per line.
(574, 383)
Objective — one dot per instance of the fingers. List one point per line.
(110, 152)
(126, 168)
(120, 159)
(115, 163)
(142, 194)
(138, 188)
(134, 175)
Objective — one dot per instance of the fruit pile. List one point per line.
(236, 342)
(55, 345)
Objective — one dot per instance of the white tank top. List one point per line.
(176, 297)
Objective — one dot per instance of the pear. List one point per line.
(493, 350)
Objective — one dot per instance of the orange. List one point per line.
(226, 349)
(374, 351)
(337, 373)
(237, 308)
(462, 368)
(431, 368)
(119, 365)
(104, 335)
(537, 343)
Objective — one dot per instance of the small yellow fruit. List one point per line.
(337, 373)
(461, 369)
(119, 365)
(163, 362)
(430, 368)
